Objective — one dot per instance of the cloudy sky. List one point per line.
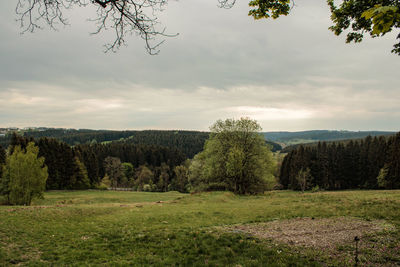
(288, 74)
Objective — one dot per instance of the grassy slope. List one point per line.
(119, 228)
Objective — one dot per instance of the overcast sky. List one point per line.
(288, 74)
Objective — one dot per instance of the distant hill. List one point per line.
(189, 142)
(291, 138)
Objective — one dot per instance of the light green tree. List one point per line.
(144, 177)
(196, 172)
(24, 176)
(128, 170)
(235, 158)
(382, 176)
(79, 179)
(114, 171)
(181, 180)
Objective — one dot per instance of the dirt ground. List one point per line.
(324, 233)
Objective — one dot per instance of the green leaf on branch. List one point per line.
(383, 18)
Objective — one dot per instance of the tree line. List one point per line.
(189, 142)
(235, 158)
(369, 163)
(322, 135)
(88, 166)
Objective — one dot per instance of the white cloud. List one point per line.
(269, 114)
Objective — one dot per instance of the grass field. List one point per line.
(91, 228)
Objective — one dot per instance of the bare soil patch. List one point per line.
(323, 233)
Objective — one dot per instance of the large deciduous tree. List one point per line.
(24, 176)
(235, 158)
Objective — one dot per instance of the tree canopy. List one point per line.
(369, 163)
(126, 17)
(375, 17)
(235, 158)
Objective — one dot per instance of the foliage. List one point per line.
(2, 159)
(24, 176)
(80, 179)
(319, 135)
(235, 158)
(196, 177)
(346, 165)
(375, 17)
(188, 142)
(114, 170)
(266, 9)
(383, 18)
(163, 178)
(105, 183)
(68, 166)
(303, 178)
(128, 170)
(128, 174)
(181, 181)
(143, 178)
(138, 155)
(382, 176)
(315, 189)
(125, 17)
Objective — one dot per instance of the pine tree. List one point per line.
(80, 179)
(393, 177)
(2, 159)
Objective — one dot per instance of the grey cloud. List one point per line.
(222, 64)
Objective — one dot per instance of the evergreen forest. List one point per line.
(160, 161)
(369, 163)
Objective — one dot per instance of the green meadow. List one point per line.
(97, 228)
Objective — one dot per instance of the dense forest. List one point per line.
(320, 135)
(189, 142)
(157, 160)
(370, 163)
(2, 159)
(84, 166)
